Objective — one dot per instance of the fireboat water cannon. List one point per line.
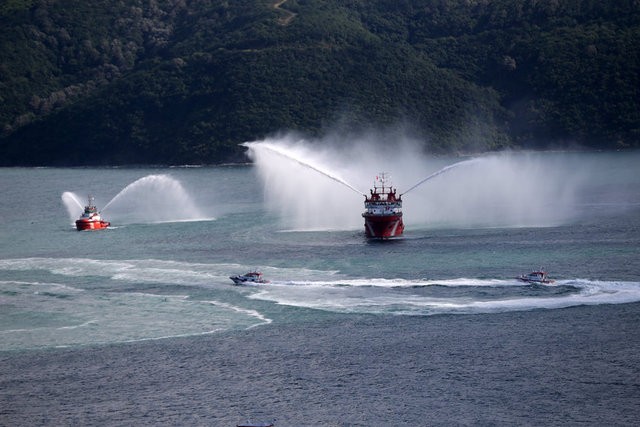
(383, 207)
(383, 210)
(440, 172)
(91, 219)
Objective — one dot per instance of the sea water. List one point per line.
(147, 277)
(151, 278)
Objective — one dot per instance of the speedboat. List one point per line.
(539, 276)
(248, 278)
(90, 218)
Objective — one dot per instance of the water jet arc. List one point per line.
(441, 171)
(281, 152)
(154, 198)
(151, 199)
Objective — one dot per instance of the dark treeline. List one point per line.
(174, 81)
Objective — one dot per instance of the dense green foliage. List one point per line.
(175, 81)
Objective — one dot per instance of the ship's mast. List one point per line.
(91, 207)
(382, 177)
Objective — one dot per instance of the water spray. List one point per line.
(71, 200)
(278, 150)
(153, 198)
(383, 209)
(441, 171)
(73, 205)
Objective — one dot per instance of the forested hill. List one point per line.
(108, 82)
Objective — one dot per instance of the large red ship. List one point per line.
(383, 211)
(91, 219)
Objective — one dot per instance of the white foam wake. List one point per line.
(410, 297)
(299, 287)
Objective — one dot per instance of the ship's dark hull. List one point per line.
(383, 226)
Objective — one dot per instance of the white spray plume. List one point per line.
(312, 184)
(73, 205)
(288, 154)
(153, 198)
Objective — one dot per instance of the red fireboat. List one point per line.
(383, 211)
(91, 219)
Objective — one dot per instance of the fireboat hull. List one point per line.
(383, 227)
(83, 225)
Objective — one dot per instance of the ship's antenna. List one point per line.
(383, 176)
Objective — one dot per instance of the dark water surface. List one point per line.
(575, 366)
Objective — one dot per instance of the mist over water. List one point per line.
(304, 197)
(498, 190)
(295, 157)
(153, 198)
(503, 190)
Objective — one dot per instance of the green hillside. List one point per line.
(173, 81)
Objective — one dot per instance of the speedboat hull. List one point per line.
(536, 277)
(248, 278)
(534, 281)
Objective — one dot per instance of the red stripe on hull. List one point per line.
(383, 226)
(82, 225)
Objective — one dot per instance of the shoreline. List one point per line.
(434, 155)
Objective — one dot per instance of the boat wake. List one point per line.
(453, 296)
(90, 301)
